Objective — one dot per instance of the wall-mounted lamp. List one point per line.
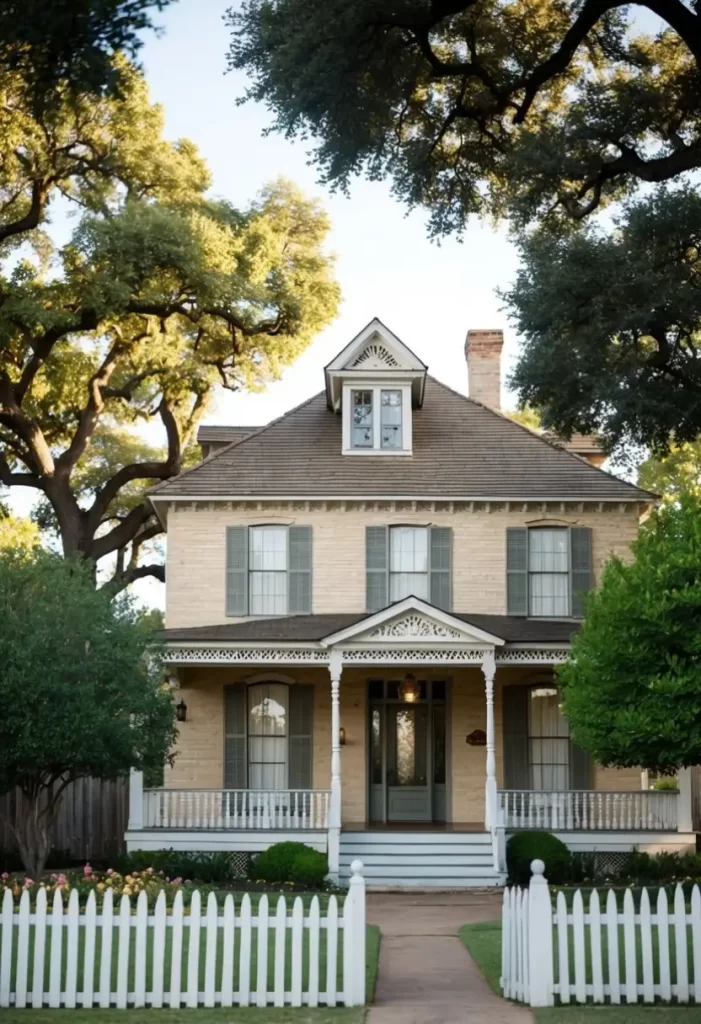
(409, 689)
(181, 711)
(342, 736)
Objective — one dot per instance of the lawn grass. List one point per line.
(483, 942)
(236, 1015)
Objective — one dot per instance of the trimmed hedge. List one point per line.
(523, 847)
(290, 862)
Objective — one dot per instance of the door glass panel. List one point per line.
(439, 744)
(410, 735)
(377, 746)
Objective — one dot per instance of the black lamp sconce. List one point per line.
(342, 736)
(181, 711)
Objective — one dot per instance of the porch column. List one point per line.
(490, 801)
(136, 800)
(334, 824)
(685, 818)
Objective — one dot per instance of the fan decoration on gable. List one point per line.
(375, 355)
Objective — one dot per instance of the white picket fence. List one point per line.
(601, 954)
(122, 958)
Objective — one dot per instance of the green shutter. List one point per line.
(376, 567)
(517, 570)
(580, 768)
(580, 569)
(235, 773)
(300, 736)
(237, 570)
(514, 718)
(440, 561)
(299, 579)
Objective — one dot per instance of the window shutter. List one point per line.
(517, 570)
(580, 768)
(299, 581)
(235, 736)
(440, 562)
(376, 567)
(580, 569)
(237, 570)
(300, 736)
(514, 717)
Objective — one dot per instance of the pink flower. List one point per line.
(28, 883)
(4, 876)
(177, 881)
(110, 871)
(62, 879)
(87, 870)
(54, 877)
(149, 871)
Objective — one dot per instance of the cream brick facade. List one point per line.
(196, 561)
(200, 764)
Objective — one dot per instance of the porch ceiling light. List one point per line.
(181, 711)
(409, 689)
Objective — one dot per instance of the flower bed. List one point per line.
(149, 880)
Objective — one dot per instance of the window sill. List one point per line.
(384, 452)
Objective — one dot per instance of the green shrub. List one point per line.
(667, 782)
(523, 847)
(289, 862)
(660, 868)
(206, 868)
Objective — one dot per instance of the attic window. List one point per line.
(378, 420)
(377, 355)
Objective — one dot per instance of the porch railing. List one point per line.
(290, 809)
(590, 810)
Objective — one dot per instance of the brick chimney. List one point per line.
(483, 354)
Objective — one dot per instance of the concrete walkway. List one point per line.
(426, 974)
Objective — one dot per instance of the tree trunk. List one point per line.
(32, 827)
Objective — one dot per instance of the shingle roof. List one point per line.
(310, 628)
(461, 450)
(217, 434)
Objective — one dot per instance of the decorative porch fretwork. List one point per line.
(247, 655)
(391, 654)
(413, 655)
(545, 656)
(415, 627)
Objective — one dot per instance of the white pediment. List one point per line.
(413, 621)
(375, 354)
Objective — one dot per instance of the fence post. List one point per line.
(136, 800)
(540, 938)
(354, 953)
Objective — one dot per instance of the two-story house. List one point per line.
(366, 599)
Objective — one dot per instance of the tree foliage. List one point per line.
(161, 293)
(542, 108)
(544, 111)
(676, 474)
(70, 42)
(82, 691)
(632, 684)
(611, 324)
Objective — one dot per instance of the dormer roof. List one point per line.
(376, 353)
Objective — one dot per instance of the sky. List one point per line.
(429, 295)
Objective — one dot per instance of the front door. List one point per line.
(407, 753)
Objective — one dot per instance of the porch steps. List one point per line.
(410, 859)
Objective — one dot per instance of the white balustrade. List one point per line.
(590, 810)
(278, 810)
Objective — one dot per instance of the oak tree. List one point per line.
(161, 293)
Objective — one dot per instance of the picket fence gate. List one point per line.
(600, 955)
(117, 958)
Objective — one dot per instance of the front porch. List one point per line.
(402, 738)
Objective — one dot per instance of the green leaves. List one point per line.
(632, 686)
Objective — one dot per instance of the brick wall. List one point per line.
(196, 564)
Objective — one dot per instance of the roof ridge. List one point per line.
(233, 444)
(539, 437)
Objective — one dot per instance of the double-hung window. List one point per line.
(408, 562)
(548, 570)
(548, 740)
(268, 570)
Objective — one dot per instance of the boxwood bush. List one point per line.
(290, 862)
(523, 847)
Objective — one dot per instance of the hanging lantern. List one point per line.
(409, 689)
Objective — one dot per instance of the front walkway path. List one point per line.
(426, 974)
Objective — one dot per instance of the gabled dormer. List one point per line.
(374, 383)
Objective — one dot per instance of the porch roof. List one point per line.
(315, 628)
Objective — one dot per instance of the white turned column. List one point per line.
(490, 796)
(335, 669)
(136, 800)
(685, 817)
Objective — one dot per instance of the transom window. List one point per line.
(408, 562)
(268, 706)
(267, 562)
(548, 572)
(548, 740)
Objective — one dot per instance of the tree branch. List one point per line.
(32, 216)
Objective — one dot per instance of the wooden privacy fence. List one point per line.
(600, 954)
(224, 956)
(91, 822)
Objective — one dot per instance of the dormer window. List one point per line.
(375, 383)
